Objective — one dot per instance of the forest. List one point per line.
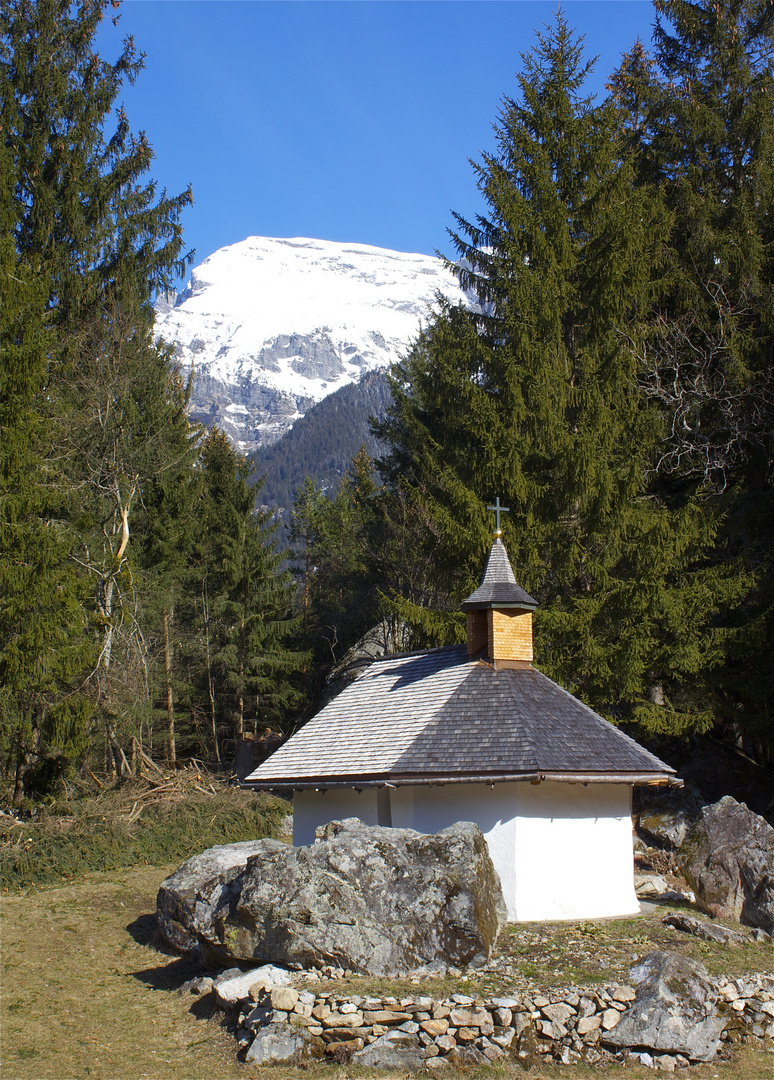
(613, 386)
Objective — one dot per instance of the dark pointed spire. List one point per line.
(498, 586)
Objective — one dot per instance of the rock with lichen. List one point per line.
(368, 899)
(727, 858)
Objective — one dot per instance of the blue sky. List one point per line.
(346, 120)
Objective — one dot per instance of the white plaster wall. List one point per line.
(574, 852)
(313, 808)
(563, 851)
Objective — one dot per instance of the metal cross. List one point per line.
(497, 511)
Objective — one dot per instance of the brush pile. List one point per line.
(156, 817)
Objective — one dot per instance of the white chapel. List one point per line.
(476, 733)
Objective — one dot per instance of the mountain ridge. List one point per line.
(322, 444)
(271, 326)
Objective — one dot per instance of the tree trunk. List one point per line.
(168, 680)
(241, 697)
(210, 681)
(307, 571)
(23, 763)
(121, 766)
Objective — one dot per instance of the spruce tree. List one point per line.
(336, 547)
(702, 125)
(243, 601)
(533, 397)
(43, 643)
(700, 111)
(167, 528)
(93, 241)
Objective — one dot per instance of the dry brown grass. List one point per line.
(145, 821)
(87, 992)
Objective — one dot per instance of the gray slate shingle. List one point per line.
(439, 714)
(498, 585)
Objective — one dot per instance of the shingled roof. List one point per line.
(498, 587)
(440, 717)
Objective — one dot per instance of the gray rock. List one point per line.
(365, 898)
(674, 1010)
(257, 1016)
(463, 1056)
(197, 885)
(233, 986)
(665, 1062)
(664, 816)
(315, 356)
(647, 885)
(394, 1050)
(727, 858)
(201, 986)
(387, 636)
(282, 1043)
(645, 1059)
(703, 930)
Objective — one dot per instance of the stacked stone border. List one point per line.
(281, 1023)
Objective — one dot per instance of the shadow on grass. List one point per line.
(145, 931)
(167, 976)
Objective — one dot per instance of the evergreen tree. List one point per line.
(701, 118)
(44, 722)
(168, 527)
(244, 601)
(702, 124)
(335, 543)
(306, 532)
(534, 397)
(89, 242)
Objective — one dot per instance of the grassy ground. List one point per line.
(87, 992)
(139, 822)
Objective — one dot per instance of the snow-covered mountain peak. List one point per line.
(271, 325)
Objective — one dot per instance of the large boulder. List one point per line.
(199, 884)
(369, 899)
(727, 858)
(674, 1009)
(663, 816)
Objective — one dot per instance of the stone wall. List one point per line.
(285, 1022)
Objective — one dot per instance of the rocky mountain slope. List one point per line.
(271, 326)
(322, 443)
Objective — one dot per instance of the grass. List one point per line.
(87, 991)
(120, 827)
(86, 994)
(555, 954)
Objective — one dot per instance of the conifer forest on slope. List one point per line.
(614, 386)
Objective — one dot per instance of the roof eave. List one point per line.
(533, 777)
(483, 605)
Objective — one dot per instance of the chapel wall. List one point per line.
(312, 808)
(563, 851)
(574, 857)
